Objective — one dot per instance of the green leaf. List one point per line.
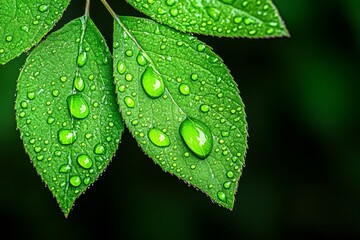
(182, 105)
(229, 18)
(66, 110)
(24, 22)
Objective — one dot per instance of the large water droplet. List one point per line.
(129, 102)
(152, 83)
(75, 181)
(221, 196)
(121, 67)
(158, 138)
(66, 136)
(79, 83)
(197, 136)
(78, 106)
(84, 161)
(81, 60)
(141, 60)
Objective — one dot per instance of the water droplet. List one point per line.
(79, 83)
(227, 185)
(174, 12)
(194, 76)
(43, 8)
(50, 120)
(55, 92)
(66, 136)
(25, 28)
(84, 161)
(221, 196)
(31, 95)
(128, 53)
(87, 180)
(64, 168)
(158, 138)
(197, 136)
(141, 60)
(9, 38)
(129, 102)
(170, 2)
(63, 79)
(152, 83)
(78, 106)
(81, 60)
(214, 13)
(75, 181)
(201, 47)
(99, 149)
(204, 108)
(225, 133)
(184, 89)
(24, 104)
(128, 77)
(230, 174)
(121, 67)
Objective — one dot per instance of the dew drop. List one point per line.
(43, 8)
(84, 161)
(121, 67)
(194, 76)
(75, 181)
(158, 138)
(99, 149)
(197, 136)
(230, 2)
(82, 58)
(141, 60)
(184, 89)
(79, 83)
(204, 108)
(64, 168)
(170, 2)
(227, 185)
(201, 47)
(55, 92)
(225, 133)
(50, 120)
(230, 174)
(66, 136)
(24, 104)
(129, 102)
(152, 83)
(87, 180)
(31, 95)
(221, 196)
(9, 38)
(78, 106)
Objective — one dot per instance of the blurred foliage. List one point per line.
(302, 176)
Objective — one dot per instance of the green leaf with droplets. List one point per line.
(66, 110)
(229, 18)
(24, 22)
(182, 106)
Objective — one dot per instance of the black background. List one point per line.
(302, 175)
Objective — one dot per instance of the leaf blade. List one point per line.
(227, 18)
(70, 127)
(24, 23)
(198, 87)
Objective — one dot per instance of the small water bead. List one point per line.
(252, 32)
(79, 83)
(55, 92)
(9, 38)
(2, 50)
(24, 104)
(230, 174)
(22, 114)
(78, 106)
(201, 47)
(43, 8)
(75, 181)
(64, 168)
(227, 185)
(141, 60)
(152, 83)
(248, 21)
(221, 196)
(31, 95)
(129, 102)
(87, 180)
(128, 53)
(128, 77)
(184, 89)
(170, 2)
(121, 88)
(204, 108)
(158, 138)
(50, 120)
(174, 12)
(66, 136)
(197, 136)
(134, 122)
(214, 13)
(84, 161)
(82, 58)
(270, 31)
(225, 133)
(194, 77)
(99, 149)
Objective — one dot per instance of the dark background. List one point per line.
(302, 175)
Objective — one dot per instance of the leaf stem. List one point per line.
(87, 9)
(113, 14)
